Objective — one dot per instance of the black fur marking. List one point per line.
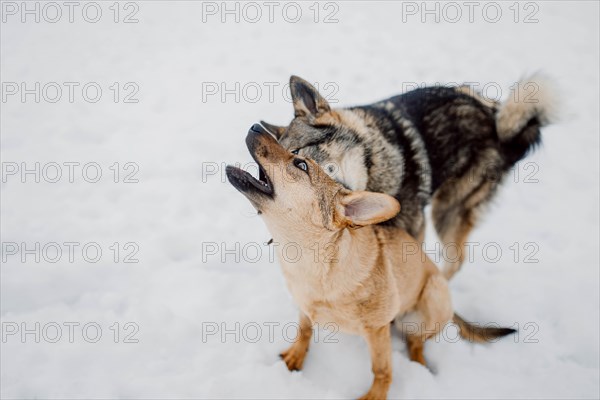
(454, 127)
(519, 146)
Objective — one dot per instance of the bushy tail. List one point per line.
(531, 105)
(474, 333)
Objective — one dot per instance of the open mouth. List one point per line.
(244, 181)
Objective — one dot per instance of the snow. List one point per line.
(179, 212)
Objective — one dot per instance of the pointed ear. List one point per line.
(307, 101)
(274, 130)
(366, 208)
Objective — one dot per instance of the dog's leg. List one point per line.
(415, 345)
(433, 312)
(380, 347)
(455, 209)
(294, 356)
(457, 238)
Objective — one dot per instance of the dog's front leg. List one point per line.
(380, 347)
(294, 356)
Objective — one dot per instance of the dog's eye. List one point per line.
(295, 151)
(301, 164)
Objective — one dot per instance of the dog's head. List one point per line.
(293, 192)
(330, 137)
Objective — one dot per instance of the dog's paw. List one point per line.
(374, 395)
(294, 357)
(378, 390)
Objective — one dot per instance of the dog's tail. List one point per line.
(474, 333)
(530, 106)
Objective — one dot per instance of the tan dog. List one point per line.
(360, 279)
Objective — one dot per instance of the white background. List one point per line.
(176, 133)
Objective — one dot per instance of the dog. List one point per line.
(446, 145)
(352, 270)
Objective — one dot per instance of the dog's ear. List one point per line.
(366, 208)
(307, 101)
(274, 130)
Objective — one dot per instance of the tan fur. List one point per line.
(366, 280)
(479, 334)
(415, 349)
(330, 117)
(470, 91)
(371, 283)
(531, 96)
(294, 356)
(351, 272)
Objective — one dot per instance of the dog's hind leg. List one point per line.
(454, 238)
(456, 207)
(430, 316)
(294, 356)
(415, 345)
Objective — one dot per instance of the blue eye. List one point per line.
(295, 151)
(301, 164)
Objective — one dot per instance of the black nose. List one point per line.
(257, 128)
(255, 133)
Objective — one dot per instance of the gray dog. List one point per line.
(447, 145)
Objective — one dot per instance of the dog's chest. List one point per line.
(342, 317)
(344, 307)
(324, 304)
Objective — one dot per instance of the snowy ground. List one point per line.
(181, 211)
